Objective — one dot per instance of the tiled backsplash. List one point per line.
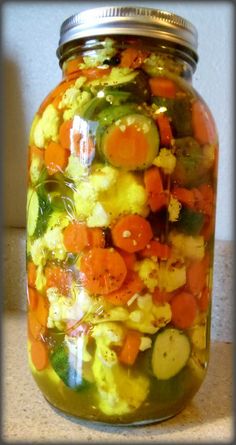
(222, 311)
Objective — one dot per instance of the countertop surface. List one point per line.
(28, 418)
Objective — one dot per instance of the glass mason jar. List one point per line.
(120, 220)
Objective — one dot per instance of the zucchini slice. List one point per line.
(32, 211)
(131, 143)
(171, 352)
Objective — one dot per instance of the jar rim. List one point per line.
(129, 20)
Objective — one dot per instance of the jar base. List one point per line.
(88, 421)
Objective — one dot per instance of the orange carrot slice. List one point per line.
(77, 236)
(161, 86)
(131, 233)
(64, 133)
(32, 298)
(39, 355)
(204, 128)
(31, 272)
(185, 196)
(58, 277)
(204, 300)
(157, 249)
(164, 129)
(102, 270)
(184, 310)
(35, 329)
(157, 197)
(131, 285)
(133, 58)
(56, 158)
(130, 348)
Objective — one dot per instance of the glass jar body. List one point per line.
(120, 234)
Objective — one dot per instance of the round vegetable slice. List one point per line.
(132, 142)
(32, 212)
(184, 310)
(132, 233)
(102, 270)
(171, 352)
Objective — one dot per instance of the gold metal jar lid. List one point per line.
(110, 20)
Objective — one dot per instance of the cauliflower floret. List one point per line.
(146, 343)
(119, 392)
(64, 309)
(35, 169)
(104, 178)
(50, 122)
(40, 281)
(38, 252)
(208, 157)
(174, 209)
(149, 317)
(58, 219)
(75, 170)
(39, 138)
(47, 126)
(187, 246)
(128, 186)
(171, 277)
(94, 197)
(100, 56)
(54, 242)
(166, 160)
(85, 198)
(99, 217)
(198, 336)
(163, 275)
(73, 99)
(148, 272)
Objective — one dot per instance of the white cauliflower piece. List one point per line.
(50, 122)
(99, 217)
(40, 281)
(75, 170)
(129, 186)
(163, 275)
(146, 343)
(64, 309)
(73, 99)
(165, 160)
(149, 317)
(208, 157)
(174, 207)
(35, 169)
(94, 197)
(119, 392)
(47, 126)
(85, 198)
(100, 56)
(54, 242)
(171, 277)
(198, 336)
(148, 271)
(39, 138)
(104, 178)
(191, 247)
(58, 219)
(38, 252)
